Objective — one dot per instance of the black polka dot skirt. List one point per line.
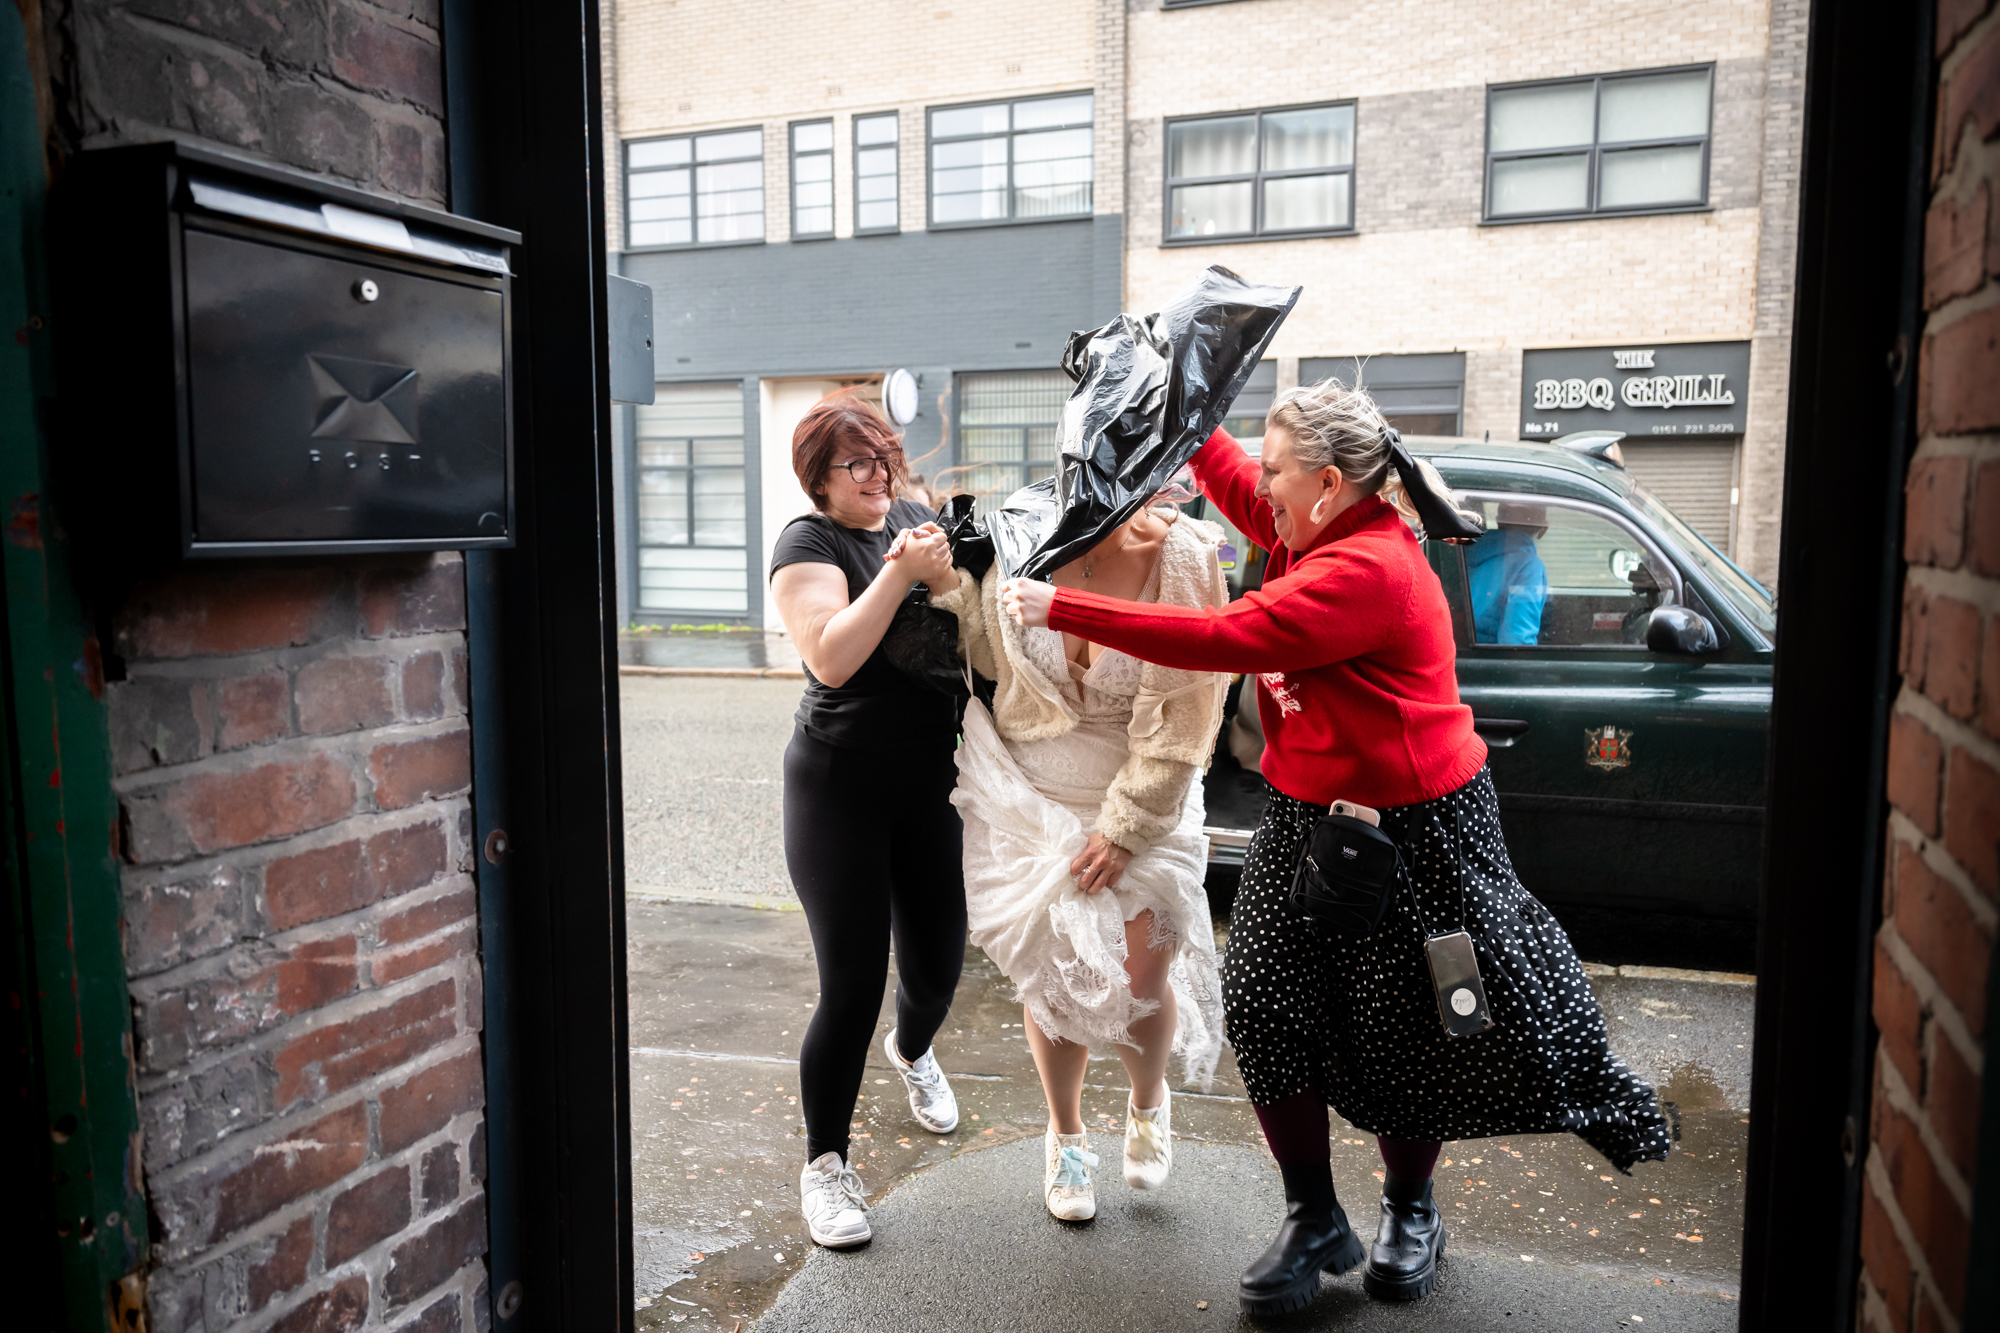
(1357, 1019)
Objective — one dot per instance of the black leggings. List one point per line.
(872, 842)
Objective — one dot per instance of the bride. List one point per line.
(1084, 852)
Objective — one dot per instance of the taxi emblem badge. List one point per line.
(1609, 748)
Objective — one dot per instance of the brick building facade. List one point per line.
(292, 770)
(1425, 265)
(1941, 880)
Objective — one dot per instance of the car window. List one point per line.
(1752, 600)
(1553, 575)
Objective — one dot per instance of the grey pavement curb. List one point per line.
(737, 673)
(966, 1247)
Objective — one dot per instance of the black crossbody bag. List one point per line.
(1347, 874)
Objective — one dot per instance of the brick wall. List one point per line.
(343, 87)
(1942, 877)
(293, 770)
(1422, 274)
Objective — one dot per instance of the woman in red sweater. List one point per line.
(1350, 639)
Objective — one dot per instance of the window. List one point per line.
(1559, 574)
(1421, 394)
(1011, 161)
(1009, 425)
(1261, 173)
(1616, 143)
(875, 173)
(812, 179)
(1246, 415)
(695, 189)
(692, 527)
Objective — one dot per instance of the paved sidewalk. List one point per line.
(967, 1248)
(719, 996)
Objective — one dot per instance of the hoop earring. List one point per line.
(1315, 511)
(1170, 511)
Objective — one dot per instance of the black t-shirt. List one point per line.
(879, 708)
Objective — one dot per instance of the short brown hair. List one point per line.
(842, 418)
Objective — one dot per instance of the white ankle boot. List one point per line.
(1066, 1186)
(1149, 1144)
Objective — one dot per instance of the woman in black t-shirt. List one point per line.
(871, 838)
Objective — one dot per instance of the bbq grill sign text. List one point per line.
(1637, 391)
(1682, 389)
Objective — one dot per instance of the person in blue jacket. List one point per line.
(1509, 582)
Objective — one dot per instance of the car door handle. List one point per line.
(1499, 732)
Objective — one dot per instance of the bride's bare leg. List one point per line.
(1061, 1065)
(1152, 1036)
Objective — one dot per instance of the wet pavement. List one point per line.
(719, 996)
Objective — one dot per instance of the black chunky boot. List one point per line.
(1403, 1264)
(1314, 1238)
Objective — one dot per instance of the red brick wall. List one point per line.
(293, 771)
(1942, 878)
(294, 766)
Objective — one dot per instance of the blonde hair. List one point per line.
(1334, 426)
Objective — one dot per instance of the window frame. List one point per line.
(1676, 596)
(1594, 151)
(792, 156)
(930, 167)
(1256, 177)
(694, 210)
(856, 148)
(967, 466)
(752, 536)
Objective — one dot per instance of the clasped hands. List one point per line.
(923, 555)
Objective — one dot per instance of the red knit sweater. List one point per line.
(1351, 641)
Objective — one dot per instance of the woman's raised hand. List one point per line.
(1028, 601)
(923, 555)
(1100, 865)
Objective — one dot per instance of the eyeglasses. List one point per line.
(863, 470)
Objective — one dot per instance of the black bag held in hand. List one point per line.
(922, 641)
(1347, 874)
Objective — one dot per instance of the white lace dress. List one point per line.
(1028, 809)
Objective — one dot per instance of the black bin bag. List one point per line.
(1149, 392)
(922, 641)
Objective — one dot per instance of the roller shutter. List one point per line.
(1695, 478)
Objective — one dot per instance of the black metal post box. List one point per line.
(254, 361)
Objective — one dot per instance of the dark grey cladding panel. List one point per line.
(965, 298)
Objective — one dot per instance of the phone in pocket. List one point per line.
(1455, 973)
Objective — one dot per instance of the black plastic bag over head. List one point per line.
(1149, 392)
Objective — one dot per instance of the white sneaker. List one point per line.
(931, 1101)
(830, 1198)
(1149, 1144)
(1066, 1186)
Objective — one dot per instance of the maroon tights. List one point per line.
(1297, 1128)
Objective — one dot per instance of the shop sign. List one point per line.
(1663, 389)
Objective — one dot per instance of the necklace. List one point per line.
(1086, 571)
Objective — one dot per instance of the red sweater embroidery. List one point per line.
(1350, 640)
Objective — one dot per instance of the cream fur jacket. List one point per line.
(1174, 716)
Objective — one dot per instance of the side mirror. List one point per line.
(1675, 629)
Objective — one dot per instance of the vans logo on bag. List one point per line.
(1349, 853)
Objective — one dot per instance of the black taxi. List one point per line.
(1618, 667)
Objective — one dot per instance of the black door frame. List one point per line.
(528, 151)
(1856, 316)
(526, 142)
